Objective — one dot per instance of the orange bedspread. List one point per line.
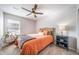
(34, 46)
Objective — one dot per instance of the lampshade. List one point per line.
(61, 27)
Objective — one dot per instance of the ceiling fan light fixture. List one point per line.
(33, 11)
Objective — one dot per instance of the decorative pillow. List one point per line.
(41, 33)
(45, 32)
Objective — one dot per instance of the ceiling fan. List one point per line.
(33, 11)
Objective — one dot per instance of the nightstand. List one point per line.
(62, 41)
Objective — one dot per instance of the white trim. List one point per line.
(72, 49)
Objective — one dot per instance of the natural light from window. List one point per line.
(13, 26)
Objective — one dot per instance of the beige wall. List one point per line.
(59, 14)
(1, 23)
(26, 25)
(1, 27)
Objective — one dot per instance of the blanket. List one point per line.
(22, 39)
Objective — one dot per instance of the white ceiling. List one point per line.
(48, 9)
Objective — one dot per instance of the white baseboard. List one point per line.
(72, 49)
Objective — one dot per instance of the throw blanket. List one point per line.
(22, 39)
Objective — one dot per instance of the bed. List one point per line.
(37, 43)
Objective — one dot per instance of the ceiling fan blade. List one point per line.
(29, 14)
(26, 9)
(38, 13)
(35, 6)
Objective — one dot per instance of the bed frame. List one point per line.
(51, 31)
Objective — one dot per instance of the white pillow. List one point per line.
(41, 33)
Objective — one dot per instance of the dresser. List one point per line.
(66, 42)
(62, 41)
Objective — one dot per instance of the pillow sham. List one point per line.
(45, 32)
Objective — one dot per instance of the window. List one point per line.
(13, 26)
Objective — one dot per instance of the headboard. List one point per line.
(51, 31)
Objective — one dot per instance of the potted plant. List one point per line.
(5, 35)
